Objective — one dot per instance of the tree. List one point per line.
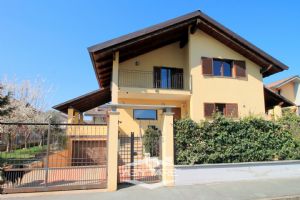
(151, 141)
(5, 108)
(29, 103)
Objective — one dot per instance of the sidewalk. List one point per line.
(266, 189)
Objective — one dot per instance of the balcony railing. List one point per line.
(145, 79)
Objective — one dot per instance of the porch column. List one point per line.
(115, 78)
(277, 112)
(168, 149)
(112, 148)
(71, 112)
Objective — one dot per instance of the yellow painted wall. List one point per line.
(128, 124)
(167, 56)
(92, 130)
(288, 91)
(247, 92)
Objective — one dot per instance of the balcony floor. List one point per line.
(153, 93)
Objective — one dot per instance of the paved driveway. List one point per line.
(263, 189)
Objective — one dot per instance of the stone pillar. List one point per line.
(115, 78)
(112, 148)
(277, 112)
(70, 115)
(168, 149)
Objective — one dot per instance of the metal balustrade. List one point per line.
(145, 79)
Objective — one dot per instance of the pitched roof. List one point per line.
(281, 82)
(272, 99)
(87, 101)
(145, 40)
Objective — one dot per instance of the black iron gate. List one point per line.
(45, 157)
(134, 164)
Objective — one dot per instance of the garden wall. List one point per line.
(217, 173)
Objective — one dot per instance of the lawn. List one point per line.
(23, 153)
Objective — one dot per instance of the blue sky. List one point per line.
(49, 39)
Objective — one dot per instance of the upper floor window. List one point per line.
(223, 67)
(279, 91)
(168, 78)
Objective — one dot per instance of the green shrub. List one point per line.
(225, 140)
(151, 141)
(291, 122)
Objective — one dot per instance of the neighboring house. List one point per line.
(98, 115)
(288, 88)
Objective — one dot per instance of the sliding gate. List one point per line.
(46, 157)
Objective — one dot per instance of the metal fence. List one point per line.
(135, 165)
(45, 157)
(145, 79)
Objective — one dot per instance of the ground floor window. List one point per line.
(227, 109)
(144, 114)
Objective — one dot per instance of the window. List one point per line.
(279, 91)
(168, 78)
(227, 109)
(143, 114)
(223, 67)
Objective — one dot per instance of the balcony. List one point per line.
(148, 79)
(169, 85)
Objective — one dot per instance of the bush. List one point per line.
(151, 141)
(224, 140)
(291, 122)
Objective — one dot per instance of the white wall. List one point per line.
(217, 173)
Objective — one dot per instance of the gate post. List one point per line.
(168, 149)
(112, 158)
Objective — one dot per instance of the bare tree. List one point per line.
(29, 102)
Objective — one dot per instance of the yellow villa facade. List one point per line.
(187, 67)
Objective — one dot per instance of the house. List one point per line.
(190, 66)
(289, 88)
(98, 115)
(191, 63)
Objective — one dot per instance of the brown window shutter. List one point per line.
(156, 77)
(231, 110)
(209, 109)
(207, 66)
(240, 68)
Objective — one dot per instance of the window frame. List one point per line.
(224, 111)
(135, 118)
(238, 68)
(222, 67)
(158, 78)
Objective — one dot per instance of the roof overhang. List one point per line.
(87, 101)
(291, 79)
(273, 99)
(145, 40)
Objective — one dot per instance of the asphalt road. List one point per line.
(242, 190)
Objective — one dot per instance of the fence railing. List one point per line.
(146, 79)
(41, 156)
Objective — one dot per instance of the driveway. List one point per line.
(263, 189)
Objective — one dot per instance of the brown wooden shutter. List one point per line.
(240, 68)
(207, 66)
(156, 77)
(231, 110)
(209, 109)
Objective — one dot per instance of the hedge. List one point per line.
(225, 140)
